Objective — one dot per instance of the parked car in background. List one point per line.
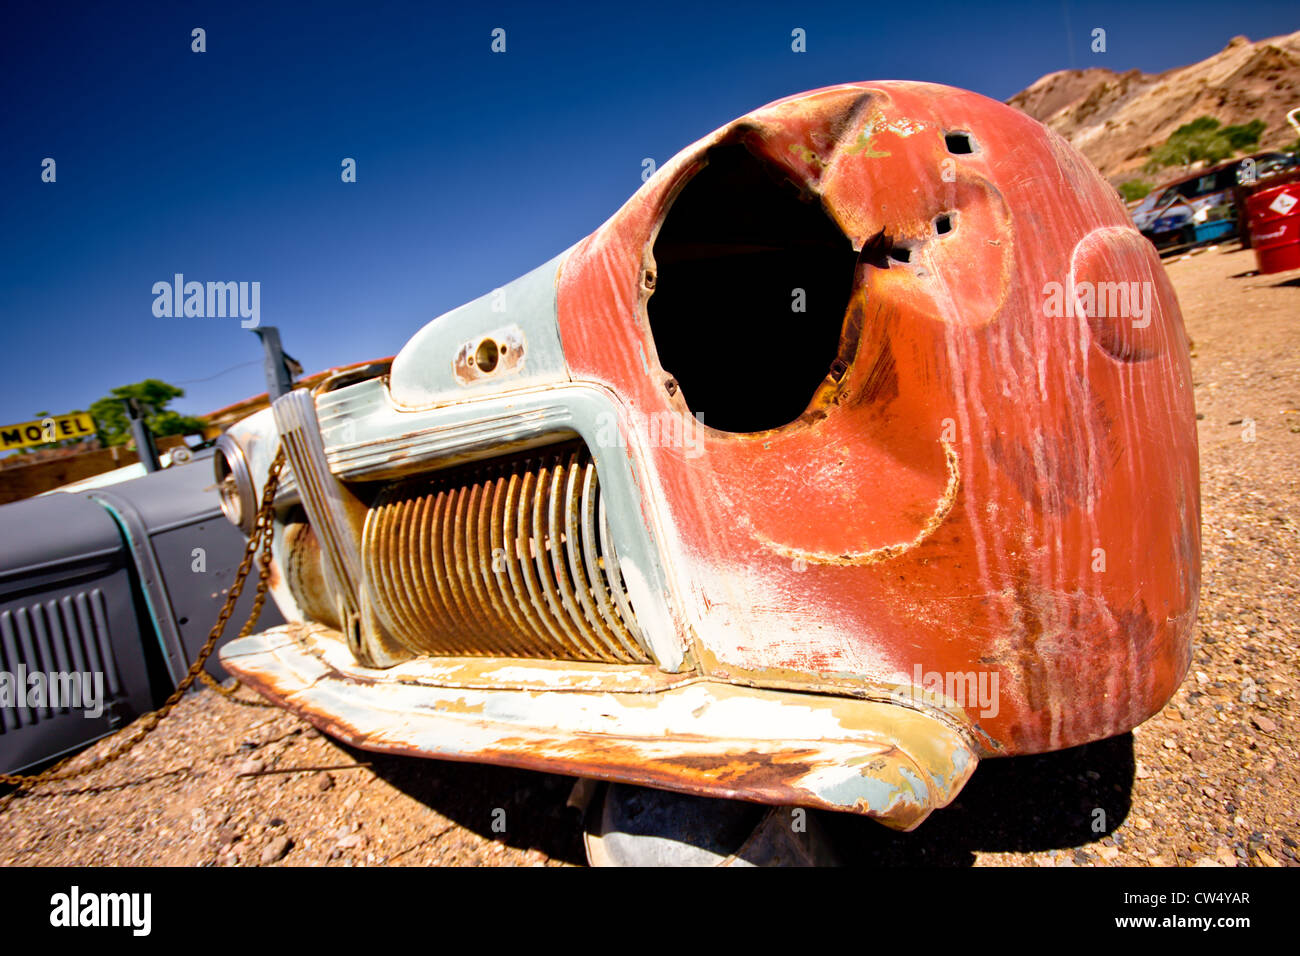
(107, 591)
(1204, 205)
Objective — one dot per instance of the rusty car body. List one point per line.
(856, 447)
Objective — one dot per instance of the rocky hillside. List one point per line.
(1116, 119)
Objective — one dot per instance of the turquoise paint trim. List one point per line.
(120, 521)
(478, 429)
(422, 374)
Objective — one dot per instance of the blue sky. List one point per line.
(472, 167)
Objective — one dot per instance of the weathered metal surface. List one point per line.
(304, 574)
(695, 736)
(496, 355)
(987, 493)
(1068, 562)
(500, 559)
(330, 507)
(440, 364)
(337, 516)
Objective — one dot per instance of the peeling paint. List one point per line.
(697, 737)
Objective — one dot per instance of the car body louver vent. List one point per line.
(65, 637)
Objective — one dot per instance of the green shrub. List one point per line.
(1134, 189)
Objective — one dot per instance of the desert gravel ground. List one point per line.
(1212, 780)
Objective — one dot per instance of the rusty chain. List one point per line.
(259, 539)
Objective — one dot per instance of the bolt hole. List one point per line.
(648, 279)
(486, 356)
(943, 225)
(900, 254)
(959, 142)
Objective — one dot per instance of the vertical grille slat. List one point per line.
(595, 573)
(554, 561)
(614, 573)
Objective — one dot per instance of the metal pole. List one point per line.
(279, 371)
(144, 446)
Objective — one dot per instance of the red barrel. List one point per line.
(1274, 218)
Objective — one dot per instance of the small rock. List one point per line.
(324, 781)
(1108, 853)
(250, 766)
(352, 799)
(275, 850)
(1226, 856)
(1264, 724)
(1266, 859)
(350, 842)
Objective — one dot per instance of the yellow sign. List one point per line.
(46, 430)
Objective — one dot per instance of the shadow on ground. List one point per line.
(536, 814)
(1016, 805)
(1023, 804)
